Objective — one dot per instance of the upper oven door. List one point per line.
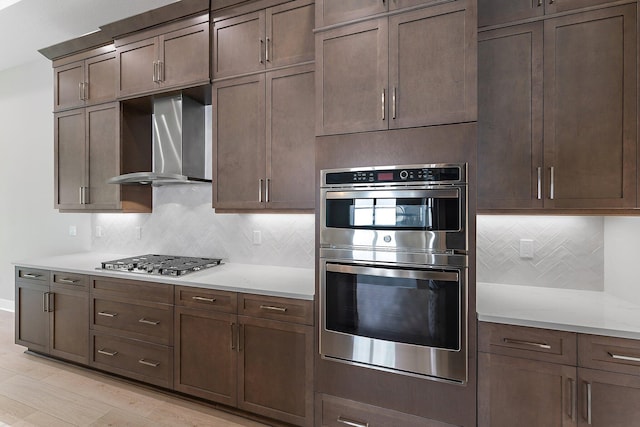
(415, 219)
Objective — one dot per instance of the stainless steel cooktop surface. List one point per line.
(166, 265)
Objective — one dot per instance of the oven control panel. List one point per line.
(395, 174)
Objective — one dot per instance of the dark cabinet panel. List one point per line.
(137, 67)
(69, 166)
(608, 399)
(238, 45)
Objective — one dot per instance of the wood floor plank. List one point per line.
(40, 419)
(12, 411)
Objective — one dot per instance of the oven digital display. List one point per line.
(385, 176)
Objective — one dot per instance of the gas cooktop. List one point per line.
(166, 265)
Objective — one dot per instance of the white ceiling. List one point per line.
(30, 25)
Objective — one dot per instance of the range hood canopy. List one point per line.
(179, 149)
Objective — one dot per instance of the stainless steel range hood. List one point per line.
(179, 149)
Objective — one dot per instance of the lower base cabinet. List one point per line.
(537, 377)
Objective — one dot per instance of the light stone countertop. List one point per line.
(288, 282)
(570, 310)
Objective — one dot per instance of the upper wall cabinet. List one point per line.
(492, 12)
(329, 12)
(270, 38)
(416, 68)
(172, 56)
(85, 79)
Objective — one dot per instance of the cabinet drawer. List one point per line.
(530, 343)
(70, 280)
(133, 289)
(609, 354)
(208, 299)
(337, 412)
(147, 322)
(31, 275)
(134, 359)
(275, 308)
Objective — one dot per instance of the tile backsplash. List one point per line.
(184, 223)
(568, 251)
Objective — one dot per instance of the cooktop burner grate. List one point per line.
(166, 265)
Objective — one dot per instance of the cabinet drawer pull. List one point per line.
(572, 397)
(147, 363)
(539, 190)
(382, 99)
(69, 281)
(539, 3)
(552, 185)
(588, 403)
(266, 49)
(351, 423)
(273, 308)
(196, 298)
(149, 322)
(626, 358)
(108, 353)
(107, 314)
(32, 276)
(260, 49)
(393, 104)
(529, 343)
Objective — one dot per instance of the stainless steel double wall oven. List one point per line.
(394, 267)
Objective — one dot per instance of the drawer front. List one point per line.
(530, 343)
(133, 289)
(206, 299)
(70, 280)
(149, 323)
(32, 275)
(609, 354)
(275, 308)
(337, 412)
(135, 359)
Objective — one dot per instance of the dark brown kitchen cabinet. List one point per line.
(89, 79)
(263, 140)
(52, 312)
(330, 12)
(564, 132)
(173, 56)
(374, 75)
(274, 37)
(608, 399)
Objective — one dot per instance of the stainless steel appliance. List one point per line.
(166, 265)
(394, 269)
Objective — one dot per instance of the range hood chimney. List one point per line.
(179, 152)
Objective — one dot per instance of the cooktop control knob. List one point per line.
(404, 174)
(387, 238)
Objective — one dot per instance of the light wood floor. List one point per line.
(39, 392)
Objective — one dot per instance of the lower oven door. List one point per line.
(409, 319)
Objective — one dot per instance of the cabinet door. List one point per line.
(351, 78)
(69, 324)
(526, 393)
(205, 354)
(432, 82)
(100, 74)
(492, 12)
(69, 166)
(554, 6)
(137, 67)
(239, 143)
(32, 319)
(510, 117)
(608, 399)
(290, 138)
(67, 86)
(239, 45)
(590, 105)
(333, 11)
(103, 147)
(276, 370)
(184, 56)
(289, 33)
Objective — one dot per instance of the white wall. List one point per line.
(30, 226)
(622, 257)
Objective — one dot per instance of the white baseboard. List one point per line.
(7, 305)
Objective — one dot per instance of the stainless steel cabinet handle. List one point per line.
(233, 336)
(588, 403)
(260, 190)
(197, 298)
(266, 49)
(147, 363)
(273, 308)
(260, 50)
(539, 183)
(81, 195)
(80, 92)
(69, 281)
(529, 343)
(626, 358)
(107, 314)
(552, 186)
(155, 71)
(149, 322)
(539, 3)
(351, 423)
(51, 301)
(108, 353)
(160, 71)
(266, 190)
(45, 302)
(86, 90)
(240, 337)
(32, 276)
(383, 106)
(393, 104)
(551, 1)
(572, 397)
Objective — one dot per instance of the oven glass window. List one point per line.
(437, 214)
(412, 311)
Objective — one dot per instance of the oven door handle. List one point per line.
(448, 193)
(394, 272)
